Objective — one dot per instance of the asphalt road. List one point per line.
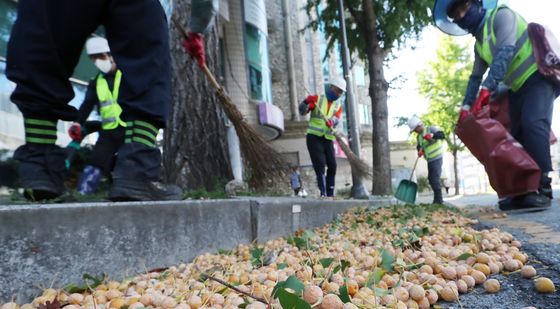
(539, 232)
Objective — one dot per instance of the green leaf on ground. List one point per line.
(342, 267)
(326, 262)
(375, 277)
(291, 283)
(291, 301)
(282, 266)
(464, 256)
(343, 290)
(380, 292)
(257, 256)
(387, 260)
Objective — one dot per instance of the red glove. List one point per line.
(428, 137)
(420, 152)
(75, 132)
(311, 101)
(194, 46)
(482, 100)
(463, 113)
(330, 123)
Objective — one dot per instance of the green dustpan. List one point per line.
(406, 191)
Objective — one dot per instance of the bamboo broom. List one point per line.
(265, 164)
(359, 167)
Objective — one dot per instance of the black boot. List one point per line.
(41, 167)
(137, 190)
(438, 199)
(546, 187)
(138, 166)
(41, 171)
(533, 201)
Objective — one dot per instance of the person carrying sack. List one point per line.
(504, 50)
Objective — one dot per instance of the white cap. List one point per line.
(97, 45)
(414, 122)
(339, 83)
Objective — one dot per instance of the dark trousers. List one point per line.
(531, 116)
(321, 151)
(434, 178)
(107, 145)
(48, 37)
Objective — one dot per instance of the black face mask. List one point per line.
(472, 19)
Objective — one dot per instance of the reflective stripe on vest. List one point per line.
(317, 125)
(523, 64)
(109, 109)
(433, 149)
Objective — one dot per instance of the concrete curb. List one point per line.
(42, 244)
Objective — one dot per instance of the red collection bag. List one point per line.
(499, 110)
(510, 169)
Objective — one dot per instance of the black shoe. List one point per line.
(546, 187)
(41, 171)
(135, 190)
(525, 203)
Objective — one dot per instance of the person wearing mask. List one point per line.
(430, 145)
(102, 93)
(325, 112)
(44, 48)
(504, 50)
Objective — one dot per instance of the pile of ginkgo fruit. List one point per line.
(394, 257)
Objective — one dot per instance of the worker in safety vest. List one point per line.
(430, 144)
(503, 48)
(45, 46)
(103, 93)
(325, 112)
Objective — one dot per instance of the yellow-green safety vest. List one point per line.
(433, 149)
(317, 125)
(523, 64)
(109, 108)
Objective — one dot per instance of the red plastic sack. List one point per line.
(510, 169)
(499, 110)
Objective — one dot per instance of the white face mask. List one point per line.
(104, 65)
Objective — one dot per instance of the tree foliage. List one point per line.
(397, 21)
(444, 83)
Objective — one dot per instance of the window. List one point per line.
(257, 57)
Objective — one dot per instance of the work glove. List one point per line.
(194, 46)
(463, 113)
(428, 137)
(420, 152)
(482, 100)
(330, 123)
(75, 132)
(311, 102)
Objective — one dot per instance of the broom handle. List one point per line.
(414, 168)
(204, 68)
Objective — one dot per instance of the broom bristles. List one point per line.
(358, 166)
(266, 165)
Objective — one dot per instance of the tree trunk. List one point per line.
(456, 164)
(195, 142)
(378, 87)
